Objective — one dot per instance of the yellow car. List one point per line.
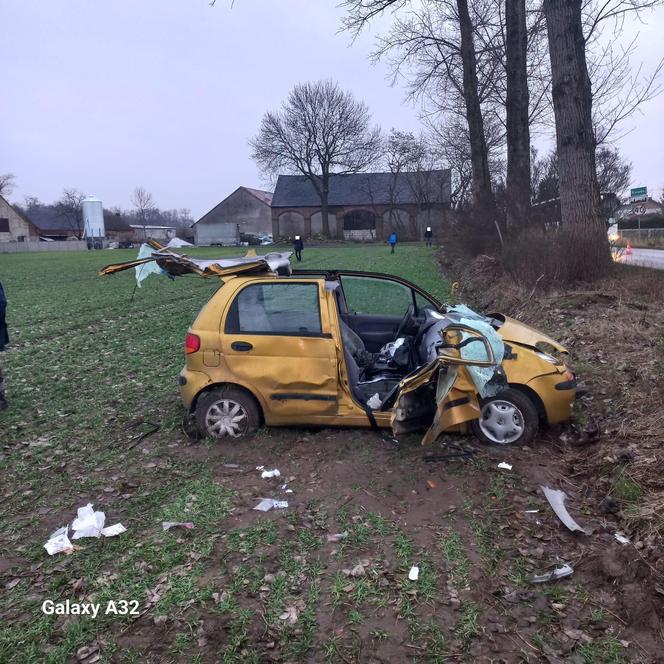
(285, 347)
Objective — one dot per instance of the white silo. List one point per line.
(93, 218)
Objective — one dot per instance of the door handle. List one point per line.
(241, 345)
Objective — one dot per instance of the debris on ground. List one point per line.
(623, 539)
(556, 499)
(267, 504)
(167, 525)
(431, 484)
(58, 542)
(337, 537)
(266, 474)
(554, 575)
(88, 523)
(414, 573)
(112, 531)
(505, 466)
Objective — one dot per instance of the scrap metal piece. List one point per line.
(554, 575)
(556, 499)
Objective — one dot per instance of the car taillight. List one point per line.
(192, 343)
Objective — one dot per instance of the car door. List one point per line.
(375, 307)
(276, 341)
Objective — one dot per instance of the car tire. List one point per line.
(227, 412)
(509, 418)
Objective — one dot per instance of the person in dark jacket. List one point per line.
(428, 236)
(392, 241)
(4, 340)
(298, 245)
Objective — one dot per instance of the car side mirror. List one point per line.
(457, 337)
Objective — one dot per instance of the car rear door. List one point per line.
(276, 341)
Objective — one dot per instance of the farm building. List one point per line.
(159, 233)
(14, 225)
(364, 206)
(244, 211)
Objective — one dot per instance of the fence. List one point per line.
(642, 237)
(56, 245)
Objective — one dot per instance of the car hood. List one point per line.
(512, 330)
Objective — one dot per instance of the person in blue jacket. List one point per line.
(392, 241)
(4, 340)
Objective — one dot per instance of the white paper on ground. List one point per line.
(505, 466)
(167, 525)
(112, 531)
(58, 541)
(414, 573)
(88, 523)
(267, 504)
(270, 473)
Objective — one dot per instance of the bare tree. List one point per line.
(144, 207)
(614, 174)
(7, 183)
(69, 209)
(517, 195)
(319, 131)
(585, 245)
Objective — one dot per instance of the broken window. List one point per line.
(282, 309)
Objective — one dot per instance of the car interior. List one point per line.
(380, 350)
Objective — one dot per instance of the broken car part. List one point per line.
(556, 499)
(558, 573)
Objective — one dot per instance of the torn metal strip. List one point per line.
(556, 499)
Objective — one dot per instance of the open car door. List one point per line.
(444, 393)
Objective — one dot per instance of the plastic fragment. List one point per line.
(558, 573)
(58, 542)
(531, 511)
(556, 499)
(623, 539)
(270, 473)
(337, 537)
(267, 504)
(414, 573)
(505, 466)
(167, 525)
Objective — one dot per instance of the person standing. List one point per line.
(428, 236)
(392, 241)
(4, 340)
(298, 245)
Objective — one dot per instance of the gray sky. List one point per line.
(105, 96)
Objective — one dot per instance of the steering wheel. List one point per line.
(406, 321)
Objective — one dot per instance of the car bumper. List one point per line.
(191, 384)
(557, 392)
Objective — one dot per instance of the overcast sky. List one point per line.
(105, 96)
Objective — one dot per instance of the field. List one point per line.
(93, 365)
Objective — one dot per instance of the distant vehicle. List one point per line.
(266, 239)
(250, 239)
(348, 348)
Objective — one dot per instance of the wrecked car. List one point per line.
(280, 347)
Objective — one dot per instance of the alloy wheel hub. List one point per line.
(501, 422)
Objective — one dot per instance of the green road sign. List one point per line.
(638, 192)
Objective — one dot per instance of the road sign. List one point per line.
(638, 194)
(638, 210)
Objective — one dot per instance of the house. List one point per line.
(14, 225)
(117, 229)
(246, 210)
(364, 206)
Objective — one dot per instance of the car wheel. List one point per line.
(227, 412)
(509, 418)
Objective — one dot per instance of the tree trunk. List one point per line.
(323, 210)
(518, 131)
(584, 243)
(483, 200)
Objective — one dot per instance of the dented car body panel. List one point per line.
(315, 348)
